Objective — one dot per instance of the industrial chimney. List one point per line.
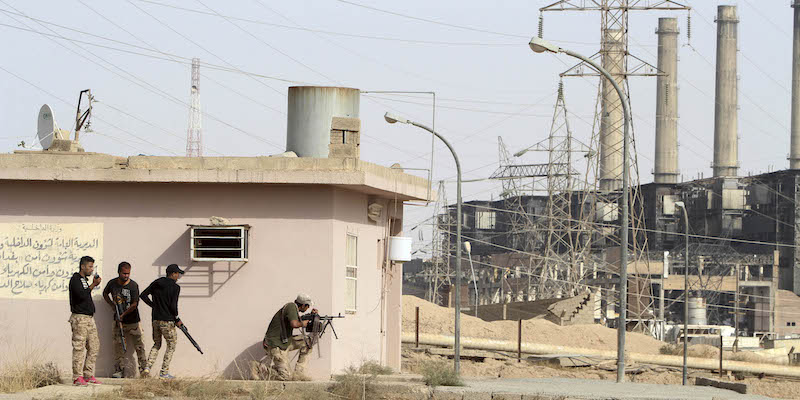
(726, 142)
(666, 159)
(794, 152)
(611, 123)
(323, 121)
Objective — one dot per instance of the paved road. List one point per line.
(479, 389)
(597, 389)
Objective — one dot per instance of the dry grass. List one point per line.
(210, 389)
(372, 367)
(26, 375)
(439, 373)
(357, 382)
(191, 388)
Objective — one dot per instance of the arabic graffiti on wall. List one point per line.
(38, 259)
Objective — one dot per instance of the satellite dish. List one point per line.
(47, 130)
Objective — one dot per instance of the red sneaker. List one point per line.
(79, 381)
(93, 380)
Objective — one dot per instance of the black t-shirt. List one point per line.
(80, 296)
(129, 294)
(165, 292)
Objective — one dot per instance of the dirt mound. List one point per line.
(440, 320)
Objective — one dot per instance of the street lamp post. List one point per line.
(539, 45)
(685, 373)
(391, 118)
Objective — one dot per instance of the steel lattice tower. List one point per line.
(607, 140)
(194, 141)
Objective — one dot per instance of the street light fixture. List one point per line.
(539, 45)
(685, 373)
(392, 118)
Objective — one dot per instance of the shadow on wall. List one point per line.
(202, 279)
(239, 368)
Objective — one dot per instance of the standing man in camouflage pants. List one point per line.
(85, 344)
(165, 292)
(123, 294)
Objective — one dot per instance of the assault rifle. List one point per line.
(118, 317)
(185, 331)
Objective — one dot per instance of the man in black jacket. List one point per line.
(165, 292)
(85, 344)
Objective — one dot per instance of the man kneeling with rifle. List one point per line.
(279, 341)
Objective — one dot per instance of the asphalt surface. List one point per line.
(475, 389)
(597, 389)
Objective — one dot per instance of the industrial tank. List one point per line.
(308, 128)
(697, 311)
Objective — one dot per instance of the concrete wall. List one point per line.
(296, 244)
(787, 314)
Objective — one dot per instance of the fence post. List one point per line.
(519, 341)
(720, 353)
(416, 329)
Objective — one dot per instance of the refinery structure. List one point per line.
(729, 244)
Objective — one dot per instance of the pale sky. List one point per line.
(487, 81)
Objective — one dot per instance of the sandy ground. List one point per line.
(770, 387)
(439, 320)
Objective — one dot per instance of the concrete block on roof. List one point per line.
(343, 150)
(337, 137)
(352, 138)
(346, 124)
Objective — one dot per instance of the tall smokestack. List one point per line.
(611, 123)
(726, 142)
(794, 154)
(666, 160)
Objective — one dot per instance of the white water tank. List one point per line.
(400, 248)
(311, 108)
(697, 311)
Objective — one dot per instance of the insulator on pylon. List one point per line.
(689, 27)
(541, 25)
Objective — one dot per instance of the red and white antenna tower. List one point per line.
(194, 143)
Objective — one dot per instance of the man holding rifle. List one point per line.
(122, 294)
(165, 292)
(279, 341)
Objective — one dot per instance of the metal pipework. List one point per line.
(666, 157)
(726, 141)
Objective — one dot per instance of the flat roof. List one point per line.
(349, 173)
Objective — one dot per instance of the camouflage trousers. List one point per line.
(133, 337)
(165, 329)
(85, 345)
(275, 365)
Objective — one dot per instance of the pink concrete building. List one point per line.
(291, 224)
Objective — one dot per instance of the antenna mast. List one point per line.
(194, 144)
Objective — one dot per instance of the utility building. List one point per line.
(251, 232)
